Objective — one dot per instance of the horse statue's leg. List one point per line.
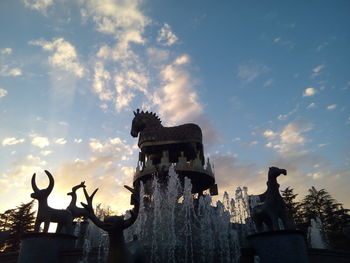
(287, 220)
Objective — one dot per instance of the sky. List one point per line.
(267, 81)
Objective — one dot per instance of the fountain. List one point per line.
(315, 234)
(174, 219)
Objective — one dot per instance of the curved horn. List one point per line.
(51, 183)
(35, 188)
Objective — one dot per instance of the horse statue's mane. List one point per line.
(152, 116)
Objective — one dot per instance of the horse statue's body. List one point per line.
(272, 206)
(153, 135)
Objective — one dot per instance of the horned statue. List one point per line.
(114, 226)
(272, 206)
(77, 212)
(46, 214)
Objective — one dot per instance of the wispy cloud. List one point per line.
(78, 140)
(60, 141)
(39, 141)
(45, 153)
(122, 19)
(3, 93)
(283, 42)
(63, 55)
(332, 107)
(6, 51)
(12, 141)
(249, 71)
(166, 37)
(7, 71)
(312, 105)
(289, 140)
(39, 5)
(317, 70)
(283, 117)
(177, 100)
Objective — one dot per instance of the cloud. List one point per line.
(39, 141)
(7, 71)
(125, 22)
(63, 55)
(229, 174)
(78, 140)
(289, 140)
(317, 70)
(3, 93)
(176, 99)
(39, 5)
(101, 78)
(126, 84)
(6, 51)
(309, 92)
(269, 134)
(332, 107)
(12, 141)
(60, 141)
(122, 19)
(311, 105)
(249, 71)
(283, 117)
(268, 83)
(166, 37)
(112, 145)
(45, 153)
(282, 42)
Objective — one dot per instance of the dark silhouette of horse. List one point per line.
(152, 134)
(273, 206)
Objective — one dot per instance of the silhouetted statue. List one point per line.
(46, 214)
(114, 226)
(76, 211)
(273, 206)
(152, 134)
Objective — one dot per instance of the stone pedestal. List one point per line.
(45, 247)
(283, 246)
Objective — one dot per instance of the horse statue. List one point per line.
(272, 206)
(154, 136)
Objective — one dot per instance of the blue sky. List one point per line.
(268, 83)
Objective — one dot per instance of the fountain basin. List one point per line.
(47, 247)
(282, 246)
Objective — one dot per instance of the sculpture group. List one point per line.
(160, 147)
(113, 225)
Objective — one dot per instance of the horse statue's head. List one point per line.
(142, 120)
(274, 172)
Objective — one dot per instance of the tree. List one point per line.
(334, 217)
(20, 220)
(294, 208)
(320, 204)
